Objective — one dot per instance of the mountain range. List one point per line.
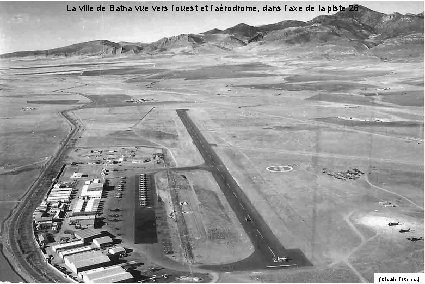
(360, 31)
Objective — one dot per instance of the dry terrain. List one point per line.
(322, 117)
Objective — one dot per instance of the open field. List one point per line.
(320, 118)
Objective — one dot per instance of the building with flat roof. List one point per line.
(66, 195)
(92, 206)
(69, 245)
(40, 219)
(59, 198)
(94, 192)
(78, 206)
(99, 272)
(72, 251)
(78, 217)
(117, 250)
(102, 242)
(111, 274)
(124, 277)
(95, 186)
(63, 196)
(60, 192)
(86, 260)
(88, 235)
(61, 189)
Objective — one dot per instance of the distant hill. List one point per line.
(365, 31)
(96, 47)
(242, 31)
(280, 26)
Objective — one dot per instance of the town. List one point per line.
(71, 223)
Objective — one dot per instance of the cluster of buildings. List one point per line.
(89, 256)
(48, 216)
(114, 157)
(88, 204)
(65, 200)
(60, 193)
(92, 189)
(64, 224)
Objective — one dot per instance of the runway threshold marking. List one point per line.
(260, 234)
(282, 265)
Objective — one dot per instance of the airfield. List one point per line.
(323, 154)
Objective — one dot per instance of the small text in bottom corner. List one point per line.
(399, 278)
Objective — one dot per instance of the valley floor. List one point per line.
(326, 119)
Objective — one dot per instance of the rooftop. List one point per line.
(114, 278)
(97, 191)
(75, 250)
(88, 258)
(103, 240)
(103, 272)
(67, 245)
(95, 186)
(116, 249)
(88, 233)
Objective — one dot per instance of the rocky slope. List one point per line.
(364, 30)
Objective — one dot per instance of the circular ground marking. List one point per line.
(279, 169)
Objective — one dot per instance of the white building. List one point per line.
(78, 206)
(92, 206)
(74, 244)
(86, 260)
(111, 274)
(102, 241)
(92, 190)
(72, 251)
(60, 194)
(117, 250)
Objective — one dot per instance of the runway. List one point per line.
(269, 253)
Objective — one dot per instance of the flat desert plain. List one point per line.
(349, 130)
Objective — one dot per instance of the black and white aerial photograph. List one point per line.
(212, 141)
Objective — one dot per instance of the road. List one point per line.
(267, 247)
(19, 245)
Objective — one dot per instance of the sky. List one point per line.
(43, 25)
